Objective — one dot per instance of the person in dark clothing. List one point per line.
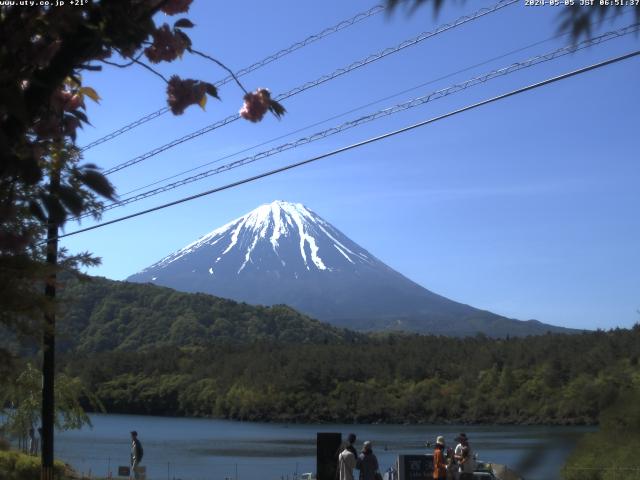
(351, 439)
(367, 462)
(136, 455)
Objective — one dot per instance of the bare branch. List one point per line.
(222, 65)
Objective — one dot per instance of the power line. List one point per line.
(243, 71)
(363, 142)
(334, 117)
(325, 78)
(415, 102)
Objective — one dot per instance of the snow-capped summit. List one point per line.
(286, 232)
(284, 253)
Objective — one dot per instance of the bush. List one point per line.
(611, 453)
(4, 444)
(19, 466)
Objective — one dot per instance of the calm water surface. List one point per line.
(194, 449)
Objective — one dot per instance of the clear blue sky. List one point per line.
(527, 207)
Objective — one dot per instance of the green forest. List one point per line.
(150, 350)
(102, 315)
(552, 379)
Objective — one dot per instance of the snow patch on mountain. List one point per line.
(275, 222)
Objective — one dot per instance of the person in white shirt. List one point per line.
(464, 458)
(346, 464)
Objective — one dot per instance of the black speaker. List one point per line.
(327, 451)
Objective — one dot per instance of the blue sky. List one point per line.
(526, 207)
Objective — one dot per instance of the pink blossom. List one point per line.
(182, 93)
(256, 105)
(167, 45)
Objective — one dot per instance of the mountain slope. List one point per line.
(283, 253)
(104, 315)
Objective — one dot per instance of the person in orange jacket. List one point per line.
(439, 464)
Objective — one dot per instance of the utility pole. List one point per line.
(49, 337)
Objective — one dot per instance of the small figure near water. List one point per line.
(439, 464)
(347, 459)
(368, 463)
(136, 455)
(464, 458)
(32, 442)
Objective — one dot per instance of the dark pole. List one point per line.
(49, 338)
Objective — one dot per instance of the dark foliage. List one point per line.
(103, 315)
(145, 349)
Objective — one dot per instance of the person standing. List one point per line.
(351, 440)
(38, 440)
(464, 457)
(136, 455)
(346, 463)
(367, 462)
(439, 464)
(32, 442)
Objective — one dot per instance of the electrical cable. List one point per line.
(415, 102)
(359, 144)
(325, 78)
(243, 71)
(334, 117)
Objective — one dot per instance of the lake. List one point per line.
(194, 449)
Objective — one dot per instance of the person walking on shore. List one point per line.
(136, 455)
(439, 464)
(367, 462)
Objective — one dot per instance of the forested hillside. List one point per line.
(104, 315)
(547, 379)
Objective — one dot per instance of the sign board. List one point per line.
(141, 470)
(327, 451)
(415, 467)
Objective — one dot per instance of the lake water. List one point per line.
(193, 449)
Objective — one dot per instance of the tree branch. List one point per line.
(222, 65)
(135, 60)
(124, 65)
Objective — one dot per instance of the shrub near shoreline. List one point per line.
(611, 453)
(20, 466)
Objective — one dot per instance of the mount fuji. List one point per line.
(283, 253)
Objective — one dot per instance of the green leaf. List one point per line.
(277, 109)
(91, 93)
(97, 182)
(71, 199)
(36, 210)
(81, 116)
(212, 90)
(203, 101)
(55, 211)
(185, 38)
(184, 23)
